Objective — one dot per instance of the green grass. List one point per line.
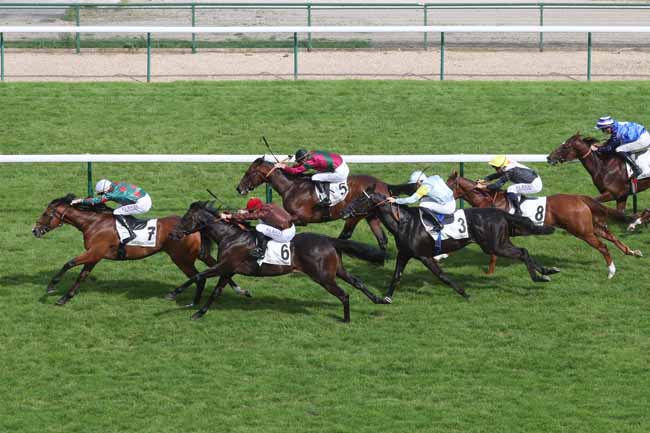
(568, 356)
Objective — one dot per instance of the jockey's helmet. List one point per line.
(499, 161)
(301, 154)
(103, 186)
(604, 122)
(417, 177)
(254, 204)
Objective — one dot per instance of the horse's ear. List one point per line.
(454, 174)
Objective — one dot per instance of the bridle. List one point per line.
(463, 195)
(393, 206)
(54, 213)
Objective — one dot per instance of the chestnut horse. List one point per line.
(644, 218)
(608, 172)
(299, 197)
(582, 216)
(97, 224)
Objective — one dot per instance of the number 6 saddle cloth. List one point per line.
(145, 232)
(533, 208)
(453, 226)
(277, 253)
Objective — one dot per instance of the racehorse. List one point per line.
(97, 224)
(316, 255)
(608, 172)
(490, 228)
(582, 216)
(299, 197)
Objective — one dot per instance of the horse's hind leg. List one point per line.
(73, 290)
(604, 233)
(507, 249)
(342, 273)
(433, 266)
(218, 289)
(375, 226)
(592, 240)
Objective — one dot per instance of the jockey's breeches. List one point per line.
(340, 174)
(276, 234)
(526, 188)
(141, 206)
(637, 146)
(447, 208)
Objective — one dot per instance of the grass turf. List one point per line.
(571, 355)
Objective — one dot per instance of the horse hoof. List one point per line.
(50, 290)
(611, 275)
(637, 253)
(171, 296)
(544, 279)
(198, 315)
(553, 270)
(440, 257)
(388, 300)
(61, 302)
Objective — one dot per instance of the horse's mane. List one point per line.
(590, 140)
(299, 176)
(67, 199)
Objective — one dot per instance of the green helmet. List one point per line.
(301, 154)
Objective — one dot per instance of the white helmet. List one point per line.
(103, 186)
(417, 177)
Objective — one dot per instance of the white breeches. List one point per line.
(443, 208)
(638, 146)
(339, 175)
(526, 188)
(141, 206)
(277, 235)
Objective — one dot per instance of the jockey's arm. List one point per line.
(95, 200)
(296, 169)
(415, 197)
(609, 146)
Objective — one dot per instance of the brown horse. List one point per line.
(582, 216)
(101, 240)
(608, 172)
(644, 218)
(299, 197)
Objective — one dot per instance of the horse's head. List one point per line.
(575, 147)
(364, 203)
(644, 218)
(200, 215)
(53, 215)
(256, 175)
(458, 184)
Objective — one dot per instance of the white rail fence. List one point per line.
(295, 30)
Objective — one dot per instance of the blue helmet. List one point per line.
(605, 122)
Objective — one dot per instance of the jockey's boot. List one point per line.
(121, 249)
(515, 202)
(636, 171)
(260, 249)
(324, 187)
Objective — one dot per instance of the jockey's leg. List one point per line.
(627, 157)
(514, 192)
(439, 208)
(141, 206)
(339, 175)
(630, 151)
(264, 232)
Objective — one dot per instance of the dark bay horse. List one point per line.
(299, 197)
(608, 172)
(316, 255)
(490, 228)
(97, 224)
(582, 216)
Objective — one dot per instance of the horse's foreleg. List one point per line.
(507, 249)
(605, 197)
(400, 264)
(375, 226)
(493, 264)
(216, 292)
(348, 227)
(73, 290)
(596, 243)
(211, 261)
(433, 266)
(51, 287)
(342, 273)
(604, 233)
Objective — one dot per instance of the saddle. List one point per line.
(135, 223)
(435, 220)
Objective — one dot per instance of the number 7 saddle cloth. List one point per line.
(145, 232)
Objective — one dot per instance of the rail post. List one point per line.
(269, 193)
(442, 56)
(541, 24)
(148, 57)
(461, 173)
(295, 56)
(193, 25)
(2, 56)
(309, 25)
(77, 19)
(90, 179)
(589, 56)
(426, 23)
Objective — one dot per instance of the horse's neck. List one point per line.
(221, 231)
(280, 182)
(596, 167)
(81, 219)
(387, 217)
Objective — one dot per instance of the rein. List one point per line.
(60, 215)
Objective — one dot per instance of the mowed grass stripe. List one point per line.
(570, 355)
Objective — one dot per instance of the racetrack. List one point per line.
(570, 355)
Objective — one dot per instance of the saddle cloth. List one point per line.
(533, 208)
(643, 161)
(144, 236)
(277, 253)
(454, 226)
(338, 192)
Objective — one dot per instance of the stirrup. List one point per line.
(257, 253)
(121, 251)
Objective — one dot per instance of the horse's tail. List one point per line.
(522, 226)
(206, 246)
(359, 250)
(402, 189)
(600, 210)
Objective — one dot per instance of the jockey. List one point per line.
(524, 180)
(134, 201)
(628, 139)
(275, 223)
(433, 194)
(330, 168)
